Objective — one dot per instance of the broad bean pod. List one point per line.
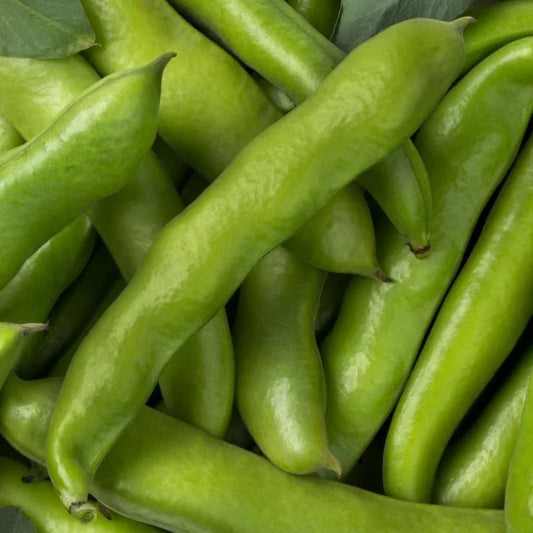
(481, 319)
(32, 93)
(369, 353)
(161, 472)
(177, 289)
(114, 118)
(474, 468)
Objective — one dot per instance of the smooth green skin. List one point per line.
(495, 26)
(275, 95)
(33, 92)
(268, 36)
(61, 365)
(210, 107)
(348, 214)
(88, 152)
(172, 475)
(519, 487)
(371, 349)
(71, 312)
(39, 503)
(321, 14)
(407, 204)
(301, 59)
(281, 393)
(12, 337)
(481, 319)
(9, 136)
(474, 468)
(179, 288)
(34, 290)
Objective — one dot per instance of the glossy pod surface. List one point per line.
(474, 468)
(101, 126)
(479, 322)
(178, 289)
(280, 384)
(161, 472)
(369, 353)
(39, 502)
(33, 92)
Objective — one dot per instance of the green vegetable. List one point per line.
(179, 288)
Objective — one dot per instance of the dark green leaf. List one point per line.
(14, 520)
(361, 19)
(43, 28)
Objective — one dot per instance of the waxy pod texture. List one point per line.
(178, 289)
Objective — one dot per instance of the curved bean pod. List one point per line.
(102, 126)
(177, 289)
(280, 384)
(196, 115)
(369, 353)
(474, 468)
(161, 470)
(32, 93)
(39, 503)
(480, 321)
(495, 26)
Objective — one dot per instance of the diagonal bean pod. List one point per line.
(474, 468)
(32, 93)
(481, 319)
(103, 127)
(369, 353)
(210, 107)
(268, 37)
(179, 288)
(161, 472)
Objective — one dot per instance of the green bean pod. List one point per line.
(474, 468)
(280, 390)
(70, 313)
(161, 472)
(400, 185)
(12, 338)
(205, 95)
(9, 136)
(31, 294)
(286, 51)
(179, 288)
(477, 326)
(369, 353)
(32, 93)
(519, 487)
(117, 116)
(496, 25)
(321, 14)
(39, 503)
(354, 243)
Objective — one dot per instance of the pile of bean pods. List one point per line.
(333, 336)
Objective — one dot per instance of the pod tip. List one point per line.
(83, 511)
(420, 252)
(381, 276)
(463, 22)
